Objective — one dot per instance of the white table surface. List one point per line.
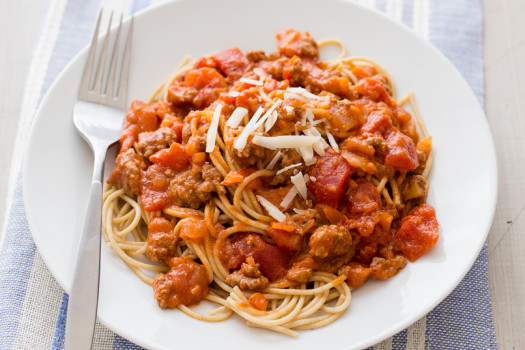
(504, 50)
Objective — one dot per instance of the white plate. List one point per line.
(58, 167)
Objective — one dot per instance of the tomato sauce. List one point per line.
(343, 226)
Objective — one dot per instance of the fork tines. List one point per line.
(100, 83)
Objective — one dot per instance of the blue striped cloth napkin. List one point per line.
(33, 306)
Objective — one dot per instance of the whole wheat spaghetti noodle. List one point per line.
(270, 185)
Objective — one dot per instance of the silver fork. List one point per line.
(98, 117)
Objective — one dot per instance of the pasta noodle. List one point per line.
(241, 216)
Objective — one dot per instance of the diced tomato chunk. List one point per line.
(271, 85)
(232, 63)
(140, 117)
(174, 157)
(249, 99)
(363, 72)
(378, 123)
(163, 109)
(177, 129)
(418, 232)
(364, 198)
(286, 240)
(128, 137)
(205, 62)
(154, 188)
(357, 274)
(198, 87)
(143, 115)
(366, 224)
(331, 174)
(374, 89)
(159, 224)
(272, 260)
(401, 153)
(365, 209)
(204, 78)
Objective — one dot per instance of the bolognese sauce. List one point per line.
(258, 173)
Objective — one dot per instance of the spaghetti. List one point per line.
(270, 185)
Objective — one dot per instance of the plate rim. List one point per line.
(399, 326)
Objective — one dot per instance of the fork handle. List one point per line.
(83, 297)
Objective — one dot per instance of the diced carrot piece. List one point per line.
(285, 226)
(258, 301)
(232, 178)
(402, 153)
(198, 158)
(425, 145)
(333, 215)
(193, 229)
(289, 241)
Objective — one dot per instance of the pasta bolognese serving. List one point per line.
(270, 185)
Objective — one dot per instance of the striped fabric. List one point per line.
(33, 306)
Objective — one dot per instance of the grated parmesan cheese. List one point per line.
(211, 136)
(300, 183)
(320, 145)
(272, 209)
(285, 141)
(251, 81)
(304, 92)
(303, 120)
(289, 109)
(309, 115)
(271, 121)
(274, 160)
(288, 199)
(315, 132)
(292, 96)
(332, 141)
(307, 153)
(318, 121)
(241, 141)
(267, 114)
(260, 72)
(237, 116)
(234, 93)
(288, 168)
